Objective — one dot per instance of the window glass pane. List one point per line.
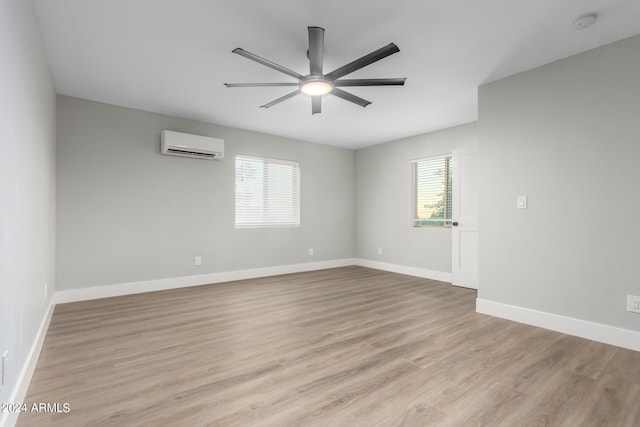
(267, 192)
(432, 192)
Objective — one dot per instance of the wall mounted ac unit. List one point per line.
(188, 145)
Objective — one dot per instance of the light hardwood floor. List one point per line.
(342, 347)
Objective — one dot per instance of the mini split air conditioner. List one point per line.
(188, 145)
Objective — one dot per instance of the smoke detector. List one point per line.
(585, 21)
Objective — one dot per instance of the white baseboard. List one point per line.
(106, 291)
(568, 325)
(19, 393)
(442, 276)
(96, 292)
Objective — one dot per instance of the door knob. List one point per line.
(454, 223)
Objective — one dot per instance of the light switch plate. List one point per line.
(521, 202)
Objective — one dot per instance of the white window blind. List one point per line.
(267, 192)
(432, 192)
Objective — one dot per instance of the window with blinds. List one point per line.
(432, 192)
(267, 192)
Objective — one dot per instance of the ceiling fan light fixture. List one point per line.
(316, 84)
(316, 87)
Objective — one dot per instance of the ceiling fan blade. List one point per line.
(282, 98)
(369, 82)
(374, 56)
(350, 97)
(260, 84)
(266, 62)
(316, 49)
(316, 104)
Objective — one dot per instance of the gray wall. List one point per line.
(126, 213)
(567, 135)
(27, 186)
(383, 201)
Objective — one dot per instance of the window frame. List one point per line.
(264, 221)
(422, 223)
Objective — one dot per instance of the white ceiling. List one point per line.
(173, 56)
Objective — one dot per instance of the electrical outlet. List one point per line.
(379, 251)
(46, 290)
(5, 359)
(198, 260)
(633, 303)
(310, 251)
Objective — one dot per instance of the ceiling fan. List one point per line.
(316, 84)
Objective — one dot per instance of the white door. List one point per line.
(464, 231)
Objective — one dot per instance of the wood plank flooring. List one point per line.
(341, 347)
